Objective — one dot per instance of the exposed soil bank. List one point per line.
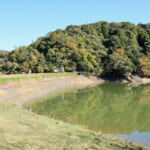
(130, 79)
(136, 80)
(24, 92)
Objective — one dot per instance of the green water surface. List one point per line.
(112, 108)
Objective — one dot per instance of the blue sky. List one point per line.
(23, 21)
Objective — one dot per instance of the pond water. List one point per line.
(112, 108)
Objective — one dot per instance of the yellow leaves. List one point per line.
(119, 51)
(25, 64)
(63, 50)
(71, 45)
(40, 69)
(89, 58)
(73, 40)
(146, 71)
(145, 66)
(144, 61)
(34, 59)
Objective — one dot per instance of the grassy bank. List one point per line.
(23, 130)
(37, 76)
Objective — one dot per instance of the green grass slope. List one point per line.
(35, 76)
(23, 130)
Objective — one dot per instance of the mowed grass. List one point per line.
(24, 130)
(38, 76)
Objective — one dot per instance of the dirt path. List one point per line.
(24, 92)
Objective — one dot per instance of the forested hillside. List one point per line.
(106, 49)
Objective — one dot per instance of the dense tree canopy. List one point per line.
(107, 49)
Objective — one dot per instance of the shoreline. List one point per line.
(22, 129)
(43, 88)
(24, 92)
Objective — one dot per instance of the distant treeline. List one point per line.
(102, 48)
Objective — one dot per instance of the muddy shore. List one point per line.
(23, 92)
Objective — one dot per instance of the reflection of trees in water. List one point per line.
(110, 107)
(145, 96)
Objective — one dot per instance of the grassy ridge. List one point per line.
(37, 76)
(23, 130)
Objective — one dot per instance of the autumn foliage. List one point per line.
(102, 48)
